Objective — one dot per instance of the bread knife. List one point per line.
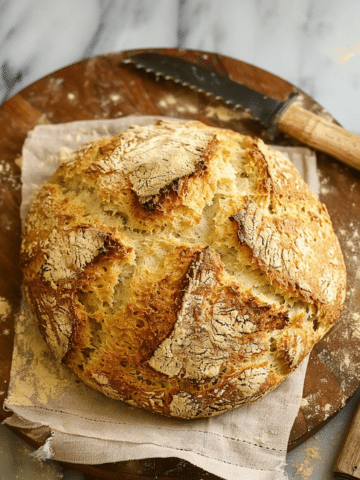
(347, 463)
(274, 115)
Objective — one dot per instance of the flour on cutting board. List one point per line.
(312, 405)
(7, 176)
(356, 323)
(107, 104)
(5, 309)
(349, 237)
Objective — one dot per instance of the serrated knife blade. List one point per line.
(274, 115)
(262, 107)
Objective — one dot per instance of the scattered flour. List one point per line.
(313, 452)
(324, 190)
(5, 309)
(46, 378)
(19, 161)
(356, 324)
(7, 176)
(114, 97)
(306, 469)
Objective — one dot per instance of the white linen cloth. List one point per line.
(87, 427)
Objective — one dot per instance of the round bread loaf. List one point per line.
(181, 268)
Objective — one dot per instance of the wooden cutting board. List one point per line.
(104, 87)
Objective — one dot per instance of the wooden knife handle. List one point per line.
(348, 459)
(321, 134)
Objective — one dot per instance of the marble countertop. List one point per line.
(314, 44)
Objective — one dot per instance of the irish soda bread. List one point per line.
(181, 268)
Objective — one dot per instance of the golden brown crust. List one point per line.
(289, 250)
(289, 233)
(172, 267)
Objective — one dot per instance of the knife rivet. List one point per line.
(355, 468)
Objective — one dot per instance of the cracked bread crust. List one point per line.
(181, 268)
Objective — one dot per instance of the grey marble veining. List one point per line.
(314, 44)
(38, 37)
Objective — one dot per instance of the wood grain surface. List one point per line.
(105, 87)
(348, 459)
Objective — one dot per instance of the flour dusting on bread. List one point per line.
(182, 268)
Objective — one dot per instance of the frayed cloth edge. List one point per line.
(45, 452)
(280, 472)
